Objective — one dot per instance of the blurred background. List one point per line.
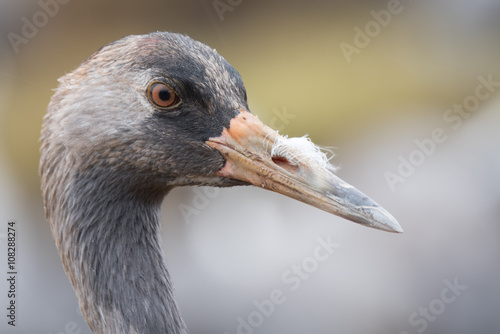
(351, 74)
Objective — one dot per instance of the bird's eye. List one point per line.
(162, 95)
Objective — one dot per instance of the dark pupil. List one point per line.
(164, 94)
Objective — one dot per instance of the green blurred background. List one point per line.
(371, 109)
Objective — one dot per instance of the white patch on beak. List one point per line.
(301, 150)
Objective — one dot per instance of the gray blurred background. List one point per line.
(373, 107)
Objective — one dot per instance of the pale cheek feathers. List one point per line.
(92, 118)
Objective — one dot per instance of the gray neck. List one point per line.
(108, 240)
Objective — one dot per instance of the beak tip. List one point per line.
(385, 221)
(396, 228)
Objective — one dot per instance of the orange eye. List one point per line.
(162, 95)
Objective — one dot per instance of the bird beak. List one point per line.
(258, 155)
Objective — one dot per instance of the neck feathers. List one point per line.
(108, 240)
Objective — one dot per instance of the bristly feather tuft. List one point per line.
(302, 148)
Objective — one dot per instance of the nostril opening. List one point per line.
(285, 164)
(280, 160)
